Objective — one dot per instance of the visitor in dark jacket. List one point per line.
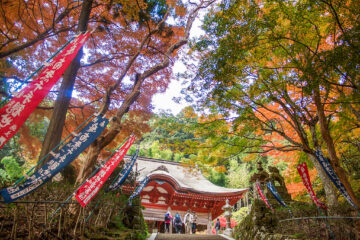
(217, 226)
(177, 223)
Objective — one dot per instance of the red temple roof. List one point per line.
(181, 188)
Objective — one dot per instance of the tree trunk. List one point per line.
(331, 198)
(54, 131)
(325, 133)
(102, 141)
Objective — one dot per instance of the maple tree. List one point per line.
(26, 23)
(266, 68)
(126, 61)
(152, 33)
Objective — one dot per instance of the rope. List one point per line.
(40, 202)
(37, 70)
(322, 217)
(92, 211)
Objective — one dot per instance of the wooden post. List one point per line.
(77, 221)
(13, 229)
(136, 170)
(247, 199)
(59, 227)
(171, 225)
(109, 217)
(209, 226)
(45, 215)
(31, 221)
(97, 217)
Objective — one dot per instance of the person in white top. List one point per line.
(193, 222)
(187, 223)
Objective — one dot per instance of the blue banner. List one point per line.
(58, 161)
(124, 173)
(275, 193)
(139, 189)
(324, 162)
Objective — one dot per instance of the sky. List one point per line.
(163, 101)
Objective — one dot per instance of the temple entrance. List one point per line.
(188, 236)
(178, 189)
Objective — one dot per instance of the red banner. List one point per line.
(304, 173)
(262, 195)
(87, 191)
(15, 112)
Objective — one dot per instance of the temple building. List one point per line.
(175, 187)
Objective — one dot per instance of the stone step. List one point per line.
(163, 236)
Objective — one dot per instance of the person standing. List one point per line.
(193, 222)
(217, 226)
(187, 223)
(167, 221)
(177, 223)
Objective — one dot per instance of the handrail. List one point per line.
(322, 217)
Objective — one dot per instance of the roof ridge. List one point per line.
(156, 160)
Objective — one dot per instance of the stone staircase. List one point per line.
(163, 236)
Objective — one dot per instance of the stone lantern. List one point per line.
(228, 209)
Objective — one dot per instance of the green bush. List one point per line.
(12, 170)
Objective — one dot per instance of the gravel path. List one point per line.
(187, 236)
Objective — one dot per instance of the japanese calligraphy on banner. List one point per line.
(275, 193)
(91, 187)
(58, 161)
(262, 195)
(324, 162)
(139, 189)
(124, 173)
(304, 173)
(15, 112)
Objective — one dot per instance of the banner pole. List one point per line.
(105, 192)
(115, 179)
(43, 158)
(39, 68)
(73, 193)
(90, 176)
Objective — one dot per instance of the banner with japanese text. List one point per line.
(325, 164)
(275, 193)
(304, 173)
(120, 179)
(15, 112)
(91, 187)
(58, 161)
(138, 189)
(262, 195)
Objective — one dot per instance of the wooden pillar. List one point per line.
(247, 199)
(209, 226)
(255, 192)
(171, 221)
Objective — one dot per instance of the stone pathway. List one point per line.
(163, 236)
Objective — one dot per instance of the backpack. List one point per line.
(177, 218)
(167, 217)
